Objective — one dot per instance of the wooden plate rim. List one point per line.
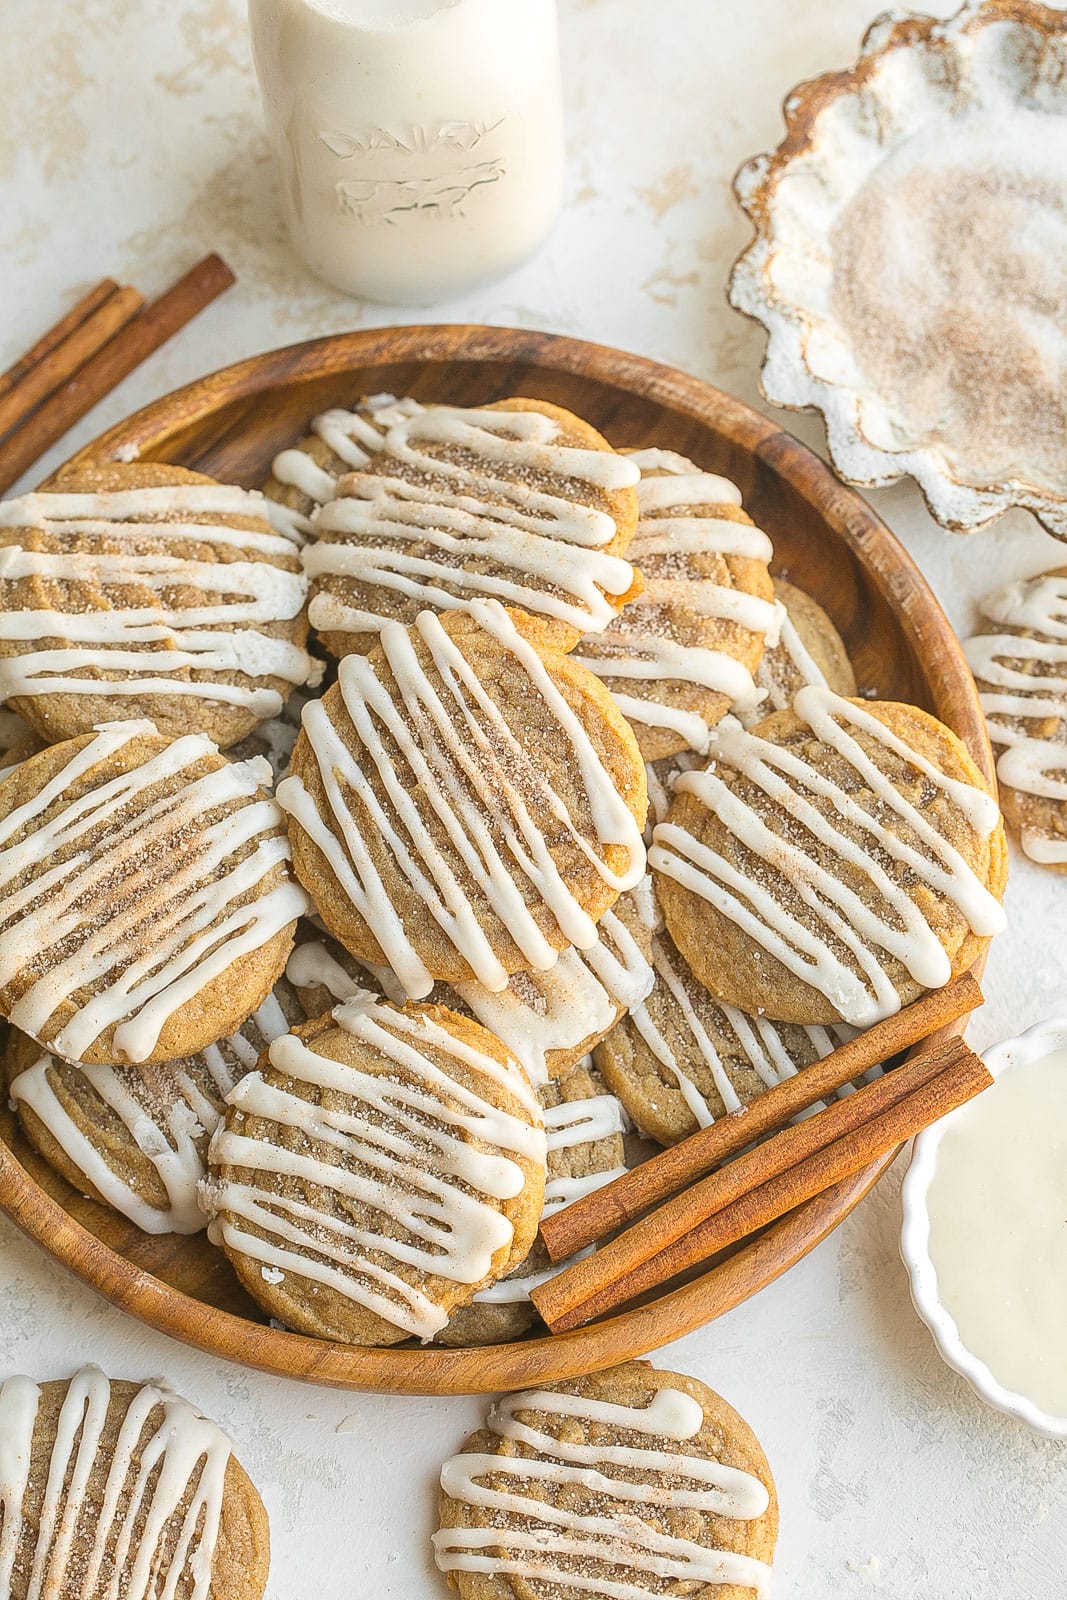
(547, 1358)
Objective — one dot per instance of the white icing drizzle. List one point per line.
(1038, 767)
(150, 644)
(620, 1554)
(801, 664)
(580, 997)
(184, 1454)
(142, 975)
(570, 1124)
(758, 1039)
(449, 734)
(1029, 764)
(635, 647)
(313, 965)
(542, 547)
(835, 910)
(417, 1148)
(354, 437)
(168, 1115)
(538, 1013)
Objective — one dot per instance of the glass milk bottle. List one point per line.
(419, 142)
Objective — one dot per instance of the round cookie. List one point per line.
(118, 1488)
(518, 501)
(136, 1138)
(682, 654)
(1021, 669)
(832, 863)
(809, 650)
(143, 590)
(146, 907)
(679, 1061)
(584, 1126)
(383, 1167)
(461, 806)
(529, 1508)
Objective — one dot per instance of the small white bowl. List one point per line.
(1040, 1040)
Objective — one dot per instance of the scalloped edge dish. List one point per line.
(1037, 1041)
(840, 129)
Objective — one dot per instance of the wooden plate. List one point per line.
(230, 425)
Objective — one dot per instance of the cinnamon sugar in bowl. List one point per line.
(910, 260)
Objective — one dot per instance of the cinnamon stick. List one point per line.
(569, 1230)
(57, 332)
(150, 328)
(64, 358)
(726, 1207)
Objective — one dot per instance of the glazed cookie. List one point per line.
(833, 863)
(679, 1061)
(135, 1138)
(383, 1167)
(630, 1482)
(110, 1488)
(547, 1020)
(144, 590)
(146, 907)
(809, 650)
(681, 655)
(517, 501)
(584, 1126)
(1021, 668)
(461, 806)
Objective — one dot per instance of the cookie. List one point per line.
(136, 1138)
(679, 1061)
(809, 649)
(461, 806)
(305, 476)
(383, 1167)
(110, 1488)
(1021, 669)
(682, 654)
(146, 907)
(548, 1020)
(143, 590)
(832, 863)
(584, 1126)
(518, 501)
(629, 1482)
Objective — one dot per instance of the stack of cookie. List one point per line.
(531, 642)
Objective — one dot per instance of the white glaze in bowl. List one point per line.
(1037, 1042)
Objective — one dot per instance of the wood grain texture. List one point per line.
(826, 538)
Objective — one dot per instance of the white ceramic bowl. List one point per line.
(946, 109)
(1040, 1040)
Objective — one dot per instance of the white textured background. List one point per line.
(130, 144)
